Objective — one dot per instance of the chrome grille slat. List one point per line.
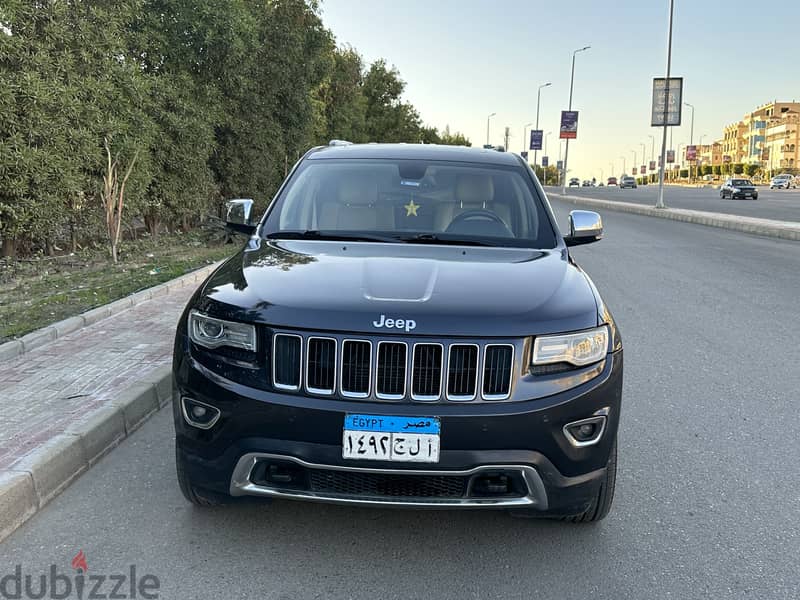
(356, 368)
(390, 381)
(287, 351)
(390, 369)
(320, 365)
(462, 372)
(498, 367)
(426, 372)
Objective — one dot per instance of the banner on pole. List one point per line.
(545, 161)
(667, 102)
(670, 156)
(536, 139)
(569, 125)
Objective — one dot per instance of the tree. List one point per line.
(751, 169)
(113, 196)
(388, 119)
(455, 139)
(343, 98)
(717, 169)
(738, 168)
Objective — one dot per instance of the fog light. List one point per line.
(586, 432)
(199, 414)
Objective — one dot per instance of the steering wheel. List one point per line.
(479, 214)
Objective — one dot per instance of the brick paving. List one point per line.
(49, 389)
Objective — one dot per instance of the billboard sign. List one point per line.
(691, 152)
(634, 170)
(667, 102)
(569, 125)
(560, 165)
(536, 139)
(670, 156)
(653, 165)
(545, 161)
(644, 170)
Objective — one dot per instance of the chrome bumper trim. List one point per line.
(242, 486)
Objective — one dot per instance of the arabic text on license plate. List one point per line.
(399, 439)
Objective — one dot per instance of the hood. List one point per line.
(362, 287)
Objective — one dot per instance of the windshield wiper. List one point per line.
(433, 238)
(316, 234)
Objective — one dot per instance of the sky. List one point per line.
(464, 59)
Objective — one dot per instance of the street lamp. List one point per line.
(538, 101)
(699, 155)
(634, 159)
(644, 152)
(624, 170)
(524, 130)
(487, 127)
(653, 147)
(691, 136)
(611, 164)
(571, 83)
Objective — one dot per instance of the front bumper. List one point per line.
(521, 441)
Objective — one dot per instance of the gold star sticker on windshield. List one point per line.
(411, 209)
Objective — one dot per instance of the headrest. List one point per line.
(474, 189)
(358, 189)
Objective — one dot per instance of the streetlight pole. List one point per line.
(611, 164)
(544, 169)
(524, 130)
(644, 152)
(700, 155)
(487, 127)
(634, 159)
(660, 201)
(653, 146)
(623, 165)
(538, 101)
(691, 137)
(571, 83)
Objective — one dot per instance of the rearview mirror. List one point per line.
(238, 216)
(585, 227)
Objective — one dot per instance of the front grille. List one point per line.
(391, 374)
(462, 372)
(384, 485)
(321, 365)
(356, 368)
(286, 361)
(426, 380)
(427, 371)
(497, 368)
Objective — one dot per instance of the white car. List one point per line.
(784, 181)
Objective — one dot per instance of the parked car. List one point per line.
(738, 188)
(348, 352)
(574, 182)
(611, 181)
(586, 183)
(783, 181)
(626, 181)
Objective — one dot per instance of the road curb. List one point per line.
(32, 482)
(786, 230)
(45, 335)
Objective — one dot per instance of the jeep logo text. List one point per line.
(407, 324)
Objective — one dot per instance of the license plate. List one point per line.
(395, 439)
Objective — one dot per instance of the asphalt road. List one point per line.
(708, 497)
(783, 205)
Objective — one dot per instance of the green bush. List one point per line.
(684, 173)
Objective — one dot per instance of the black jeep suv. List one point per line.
(405, 326)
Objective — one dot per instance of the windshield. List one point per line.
(412, 201)
(741, 182)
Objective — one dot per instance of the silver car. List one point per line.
(783, 181)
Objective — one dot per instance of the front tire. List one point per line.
(601, 504)
(195, 495)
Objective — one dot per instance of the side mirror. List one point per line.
(585, 227)
(238, 216)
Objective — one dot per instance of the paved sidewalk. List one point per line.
(64, 404)
(65, 382)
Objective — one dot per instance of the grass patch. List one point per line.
(38, 292)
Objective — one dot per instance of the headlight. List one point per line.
(211, 333)
(578, 349)
(736, 190)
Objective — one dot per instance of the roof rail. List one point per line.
(340, 143)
